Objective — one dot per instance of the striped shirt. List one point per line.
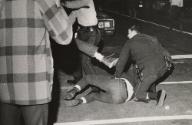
(26, 65)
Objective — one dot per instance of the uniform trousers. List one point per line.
(147, 80)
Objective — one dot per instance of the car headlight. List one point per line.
(106, 24)
(100, 25)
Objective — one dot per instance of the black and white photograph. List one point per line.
(95, 62)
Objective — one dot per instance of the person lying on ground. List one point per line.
(149, 63)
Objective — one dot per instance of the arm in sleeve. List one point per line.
(86, 48)
(92, 51)
(57, 22)
(76, 4)
(161, 48)
(123, 58)
(164, 51)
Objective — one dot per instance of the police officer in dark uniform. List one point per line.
(149, 61)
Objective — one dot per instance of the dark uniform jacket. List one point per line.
(145, 53)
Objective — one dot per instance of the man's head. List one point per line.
(133, 30)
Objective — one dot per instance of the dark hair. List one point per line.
(135, 26)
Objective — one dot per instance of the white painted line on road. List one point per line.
(129, 120)
(180, 62)
(176, 82)
(164, 83)
(156, 24)
(188, 56)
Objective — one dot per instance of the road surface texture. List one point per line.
(178, 106)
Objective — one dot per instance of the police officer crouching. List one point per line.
(151, 63)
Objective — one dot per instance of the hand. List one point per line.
(111, 55)
(110, 62)
(58, 3)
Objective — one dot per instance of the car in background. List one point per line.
(106, 24)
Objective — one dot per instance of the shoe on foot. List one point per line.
(71, 94)
(72, 103)
(161, 96)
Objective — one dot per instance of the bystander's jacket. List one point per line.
(26, 65)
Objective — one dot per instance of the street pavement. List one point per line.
(178, 106)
